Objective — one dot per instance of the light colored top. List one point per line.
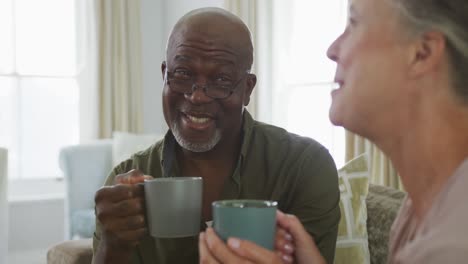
(442, 236)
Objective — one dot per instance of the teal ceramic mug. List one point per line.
(253, 220)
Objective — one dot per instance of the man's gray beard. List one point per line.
(195, 147)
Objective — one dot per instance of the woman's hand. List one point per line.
(306, 250)
(213, 250)
(290, 232)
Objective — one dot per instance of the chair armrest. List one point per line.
(71, 252)
(85, 168)
(3, 205)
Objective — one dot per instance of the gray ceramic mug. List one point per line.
(173, 206)
(253, 220)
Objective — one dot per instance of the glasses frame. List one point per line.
(204, 87)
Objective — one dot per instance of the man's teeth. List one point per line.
(198, 119)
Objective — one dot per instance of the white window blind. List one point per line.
(38, 87)
(302, 75)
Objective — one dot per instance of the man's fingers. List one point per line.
(129, 207)
(118, 193)
(148, 177)
(205, 255)
(129, 223)
(131, 177)
(120, 209)
(133, 237)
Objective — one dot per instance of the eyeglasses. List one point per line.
(183, 82)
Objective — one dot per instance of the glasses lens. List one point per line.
(217, 92)
(186, 86)
(180, 86)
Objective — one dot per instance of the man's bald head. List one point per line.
(214, 25)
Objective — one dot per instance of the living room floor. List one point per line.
(36, 256)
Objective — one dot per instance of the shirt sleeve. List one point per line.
(316, 200)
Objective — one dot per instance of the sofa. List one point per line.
(382, 206)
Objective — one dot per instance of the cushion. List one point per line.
(383, 204)
(124, 144)
(71, 252)
(352, 245)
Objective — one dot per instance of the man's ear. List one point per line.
(251, 82)
(428, 52)
(163, 69)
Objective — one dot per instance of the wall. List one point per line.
(36, 214)
(152, 24)
(158, 18)
(35, 224)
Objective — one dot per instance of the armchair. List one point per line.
(3, 205)
(85, 168)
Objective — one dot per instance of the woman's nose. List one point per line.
(332, 52)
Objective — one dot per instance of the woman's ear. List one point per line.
(427, 54)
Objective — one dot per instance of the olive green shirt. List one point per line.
(273, 164)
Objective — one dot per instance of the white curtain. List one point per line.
(247, 11)
(119, 66)
(382, 170)
(258, 15)
(87, 69)
(3, 205)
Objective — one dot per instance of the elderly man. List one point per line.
(207, 85)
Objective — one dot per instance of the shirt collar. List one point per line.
(166, 153)
(247, 128)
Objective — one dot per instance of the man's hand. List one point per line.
(120, 210)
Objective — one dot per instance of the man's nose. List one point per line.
(198, 95)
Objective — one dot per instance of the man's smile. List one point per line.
(197, 121)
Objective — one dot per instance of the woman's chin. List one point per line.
(334, 116)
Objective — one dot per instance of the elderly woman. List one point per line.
(402, 70)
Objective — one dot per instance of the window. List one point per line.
(302, 75)
(38, 86)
